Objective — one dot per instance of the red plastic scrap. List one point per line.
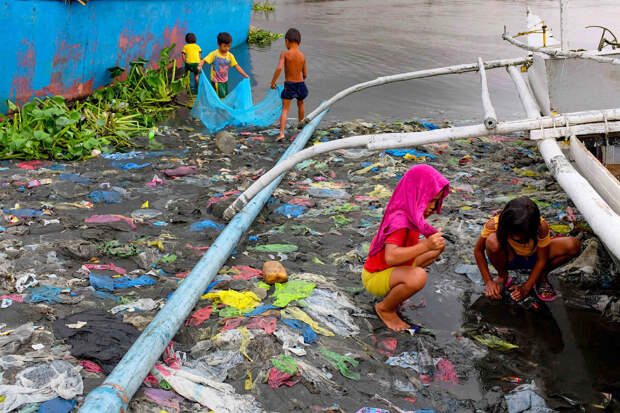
(386, 346)
(200, 316)
(151, 381)
(278, 378)
(90, 366)
(446, 372)
(181, 171)
(268, 324)
(105, 267)
(302, 201)
(33, 165)
(246, 272)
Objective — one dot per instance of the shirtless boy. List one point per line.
(294, 63)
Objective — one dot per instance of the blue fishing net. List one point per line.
(236, 109)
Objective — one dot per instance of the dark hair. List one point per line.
(520, 216)
(224, 38)
(293, 36)
(190, 38)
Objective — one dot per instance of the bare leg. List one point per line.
(300, 109)
(404, 282)
(498, 258)
(426, 259)
(286, 104)
(196, 81)
(561, 250)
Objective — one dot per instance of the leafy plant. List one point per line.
(264, 6)
(262, 37)
(108, 119)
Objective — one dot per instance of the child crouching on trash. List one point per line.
(519, 239)
(395, 265)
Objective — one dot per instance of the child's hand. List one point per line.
(273, 86)
(493, 290)
(519, 292)
(436, 241)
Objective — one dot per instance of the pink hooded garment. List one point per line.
(406, 207)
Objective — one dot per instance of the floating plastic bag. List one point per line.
(236, 109)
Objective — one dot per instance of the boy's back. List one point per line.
(294, 65)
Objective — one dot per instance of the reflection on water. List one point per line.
(351, 41)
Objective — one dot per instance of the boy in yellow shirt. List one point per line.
(191, 57)
(221, 60)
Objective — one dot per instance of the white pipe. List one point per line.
(490, 118)
(560, 53)
(602, 219)
(448, 70)
(402, 140)
(564, 24)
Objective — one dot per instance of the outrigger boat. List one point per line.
(558, 89)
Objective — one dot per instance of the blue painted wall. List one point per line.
(51, 48)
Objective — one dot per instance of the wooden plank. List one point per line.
(586, 129)
(595, 172)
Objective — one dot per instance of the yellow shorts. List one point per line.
(377, 283)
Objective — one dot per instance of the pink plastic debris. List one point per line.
(106, 219)
(214, 200)
(386, 346)
(165, 398)
(170, 357)
(181, 171)
(268, 324)
(105, 267)
(33, 165)
(90, 366)
(278, 378)
(245, 272)
(151, 380)
(365, 198)
(446, 372)
(155, 181)
(13, 297)
(302, 201)
(199, 316)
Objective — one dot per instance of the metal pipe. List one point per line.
(490, 118)
(560, 53)
(114, 394)
(602, 219)
(448, 70)
(402, 140)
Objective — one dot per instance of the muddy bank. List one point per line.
(64, 224)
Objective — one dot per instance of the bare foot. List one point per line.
(391, 319)
(279, 138)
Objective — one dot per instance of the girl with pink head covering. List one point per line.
(395, 265)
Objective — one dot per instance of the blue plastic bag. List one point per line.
(43, 294)
(75, 178)
(107, 197)
(236, 109)
(204, 225)
(309, 335)
(105, 282)
(289, 210)
(24, 212)
(57, 405)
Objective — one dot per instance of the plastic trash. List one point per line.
(103, 267)
(290, 291)
(400, 153)
(274, 272)
(494, 342)
(328, 193)
(290, 211)
(309, 335)
(142, 304)
(260, 310)
(106, 219)
(20, 335)
(145, 213)
(34, 165)
(372, 410)
(407, 360)
(165, 398)
(205, 225)
(129, 165)
(446, 372)
(105, 282)
(23, 212)
(236, 109)
(472, 272)
(298, 314)
(285, 364)
(43, 294)
(41, 382)
(278, 378)
(246, 300)
(57, 405)
(216, 396)
(75, 178)
(275, 248)
(245, 272)
(107, 197)
(199, 316)
(25, 281)
(115, 248)
(90, 366)
(268, 324)
(180, 171)
(525, 399)
(332, 309)
(342, 363)
(292, 343)
(425, 361)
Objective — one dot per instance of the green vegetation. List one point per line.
(264, 6)
(262, 37)
(50, 128)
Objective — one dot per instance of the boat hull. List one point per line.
(53, 48)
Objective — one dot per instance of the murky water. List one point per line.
(351, 41)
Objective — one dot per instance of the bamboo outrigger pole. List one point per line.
(490, 118)
(560, 53)
(448, 70)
